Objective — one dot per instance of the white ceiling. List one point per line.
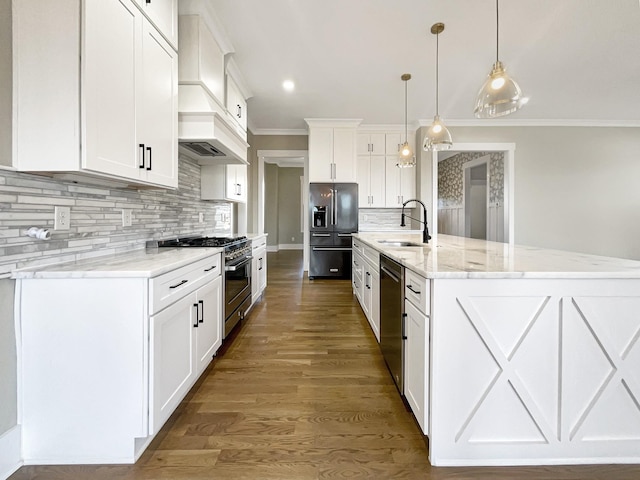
(577, 60)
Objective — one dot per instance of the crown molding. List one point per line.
(534, 123)
(279, 131)
(333, 122)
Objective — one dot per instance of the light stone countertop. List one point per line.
(459, 257)
(145, 263)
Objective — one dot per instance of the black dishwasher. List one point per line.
(392, 333)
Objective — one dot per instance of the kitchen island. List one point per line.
(532, 356)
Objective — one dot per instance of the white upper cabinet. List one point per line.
(371, 181)
(109, 104)
(236, 103)
(224, 182)
(164, 16)
(400, 183)
(332, 150)
(371, 144)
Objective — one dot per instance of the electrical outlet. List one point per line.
(201, 217)
(293, 239)
(62, 219)
(127, 217)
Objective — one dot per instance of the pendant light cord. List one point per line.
(497, 30)
(405, 111)
(437, 49)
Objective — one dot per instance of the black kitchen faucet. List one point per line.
(425, 232)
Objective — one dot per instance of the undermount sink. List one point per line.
(399, 243)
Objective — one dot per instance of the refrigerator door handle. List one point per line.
(334, 203)
(345, 234)
(320, 234)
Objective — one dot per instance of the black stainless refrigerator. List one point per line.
(333, 208)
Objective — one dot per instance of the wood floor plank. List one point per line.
(302, 393)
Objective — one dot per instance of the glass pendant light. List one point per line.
(406, 158)
(438, 136)
(500, 95)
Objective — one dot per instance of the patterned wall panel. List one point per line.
(450, 175)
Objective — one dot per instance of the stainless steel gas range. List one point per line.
(237, 272)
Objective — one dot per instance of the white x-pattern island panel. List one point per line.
(535, 371)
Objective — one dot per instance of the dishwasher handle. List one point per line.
(404, 328)
(390, 273)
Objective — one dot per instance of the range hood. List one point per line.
(205, 134)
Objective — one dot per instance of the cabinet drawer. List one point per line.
(357, 246)
(416, 290)
(172, 286)
(257, 243)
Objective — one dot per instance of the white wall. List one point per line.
(576, 188)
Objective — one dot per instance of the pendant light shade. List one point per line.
(500, 95)
(438, 136)
(406, 158)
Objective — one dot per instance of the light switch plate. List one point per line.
(126, 217)
(62, 218)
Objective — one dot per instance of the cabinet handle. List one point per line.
(149, 150)
(178, 284)
(404, 320)
(201, 303)
(210, 268)
(195, 305)
(366, 283)
(260, 262)
(141, 146)
(148, 2)
(410, 287)
(239, 111)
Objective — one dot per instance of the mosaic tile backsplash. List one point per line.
(450, 173)
(28, 200)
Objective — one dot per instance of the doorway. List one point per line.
(473, 191)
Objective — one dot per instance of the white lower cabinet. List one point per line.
(366, 283)
(416, 350)
(258, 267)
(184, 338)
(107, 359)
(416, 362)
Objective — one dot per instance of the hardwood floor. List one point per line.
(301, 392)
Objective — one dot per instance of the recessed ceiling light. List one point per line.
(288, 85)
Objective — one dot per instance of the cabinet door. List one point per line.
(158, 109)
(363, 146)
(366, 291)
(374, 314)
(393, 143)
(111, 59)
(262, 270)
(255, 284)
(236, 104)
(407, 184)
(377, 143)
(344, 154)
(321, 154)
(392, 183)
(377, 181)
(236, 181)
(209, 331)
(416, 363)
(172, 366)
(364, 184)
(164, 15)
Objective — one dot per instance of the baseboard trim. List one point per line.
(290, 246)
(10, 452)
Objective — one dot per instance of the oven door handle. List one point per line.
(233, 268)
